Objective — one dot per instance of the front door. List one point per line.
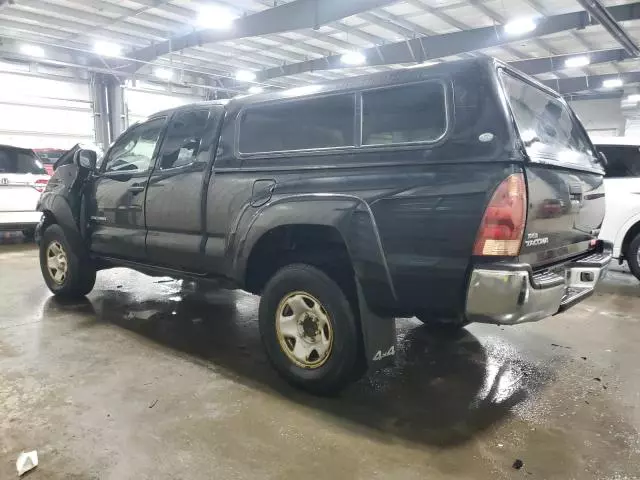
(174, 206)
(117, 216)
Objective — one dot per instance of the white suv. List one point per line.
(621, 224)
(22, 179)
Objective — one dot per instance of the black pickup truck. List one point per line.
(463, 192)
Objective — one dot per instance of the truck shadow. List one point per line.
(443, 390)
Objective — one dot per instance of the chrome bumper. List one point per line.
(517, 295)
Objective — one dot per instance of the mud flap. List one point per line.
(379, 335)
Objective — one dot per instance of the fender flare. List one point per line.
(352, 217)
(58, 209)
(622, 232)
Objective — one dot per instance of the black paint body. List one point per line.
(408, 214)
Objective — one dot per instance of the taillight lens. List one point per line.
(41, 184)
(504, 219)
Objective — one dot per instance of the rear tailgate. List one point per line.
(22, 178)
(564, 179)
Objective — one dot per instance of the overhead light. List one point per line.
(163, 73)
(520, 26)
(423, 64)
(245, 76)
(256, 89)
(353, 58)
(216, 17)
(576, 62)
(613, 83)
(32, 50)
(304, 90)
(107, 49)
(634, 98)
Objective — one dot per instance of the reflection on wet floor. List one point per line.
(470, 384)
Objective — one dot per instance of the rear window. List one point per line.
(623, 161)
(546, 126)
(406, 114)
(325, 122)
(13, 160)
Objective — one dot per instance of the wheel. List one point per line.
(633, 256)
(29, 233)
(309, 330)
(67, 273)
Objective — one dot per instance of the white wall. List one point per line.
(142, 102)
(37, 112)
(601, 117)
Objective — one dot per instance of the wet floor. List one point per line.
(149, 379)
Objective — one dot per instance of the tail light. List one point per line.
(41, 184)
(504, 219)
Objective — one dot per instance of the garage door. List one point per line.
(43, 113)
(142, 103)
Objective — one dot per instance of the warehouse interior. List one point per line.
(150, 377)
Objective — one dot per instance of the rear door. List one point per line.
(564, 179)
(22, 179)
(174, 203)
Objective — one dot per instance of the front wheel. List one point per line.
(309, 330)
(633, 256)
(67, 273)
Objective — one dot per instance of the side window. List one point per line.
(182, 141)
(133, 152)
(406, 114)
(622, 161)
(324, 122)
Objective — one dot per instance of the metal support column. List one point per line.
(100, 110)
(117, 116)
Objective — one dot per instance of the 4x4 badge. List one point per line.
(388, 353)
(4, 181)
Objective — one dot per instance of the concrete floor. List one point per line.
(147, 381)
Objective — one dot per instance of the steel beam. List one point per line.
(454, 43)
(295, 15)
(567, 86)
(535, 66)
(604, 17)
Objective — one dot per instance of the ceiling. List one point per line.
(289, 49)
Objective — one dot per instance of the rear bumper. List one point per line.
(19, 220)
(511, 294)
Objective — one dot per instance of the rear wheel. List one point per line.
(67, 273)
(309, 330)
(633, 256)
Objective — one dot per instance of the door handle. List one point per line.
(136, 188)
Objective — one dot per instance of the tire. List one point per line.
(327, 317)
(632, 256)
(78, 273)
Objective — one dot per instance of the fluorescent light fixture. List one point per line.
(245, 76)
(520, 26)
(163, 73)
(32, 50)
(613, 83)
(576, 62)
(215, 17)
(634, 98)
(107, 49)
(304, 90)
(256, 89)
(353, 58)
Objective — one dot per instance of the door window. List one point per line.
(184, 136)
(133, 152)
(623, 161)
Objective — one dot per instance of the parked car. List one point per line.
(621, 224)
(49, 156)
(417, 192)
(22, 179)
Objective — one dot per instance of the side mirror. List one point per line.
(86, 159)
(603, 159)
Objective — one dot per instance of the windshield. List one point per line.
(547, 127)
(13, 160)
